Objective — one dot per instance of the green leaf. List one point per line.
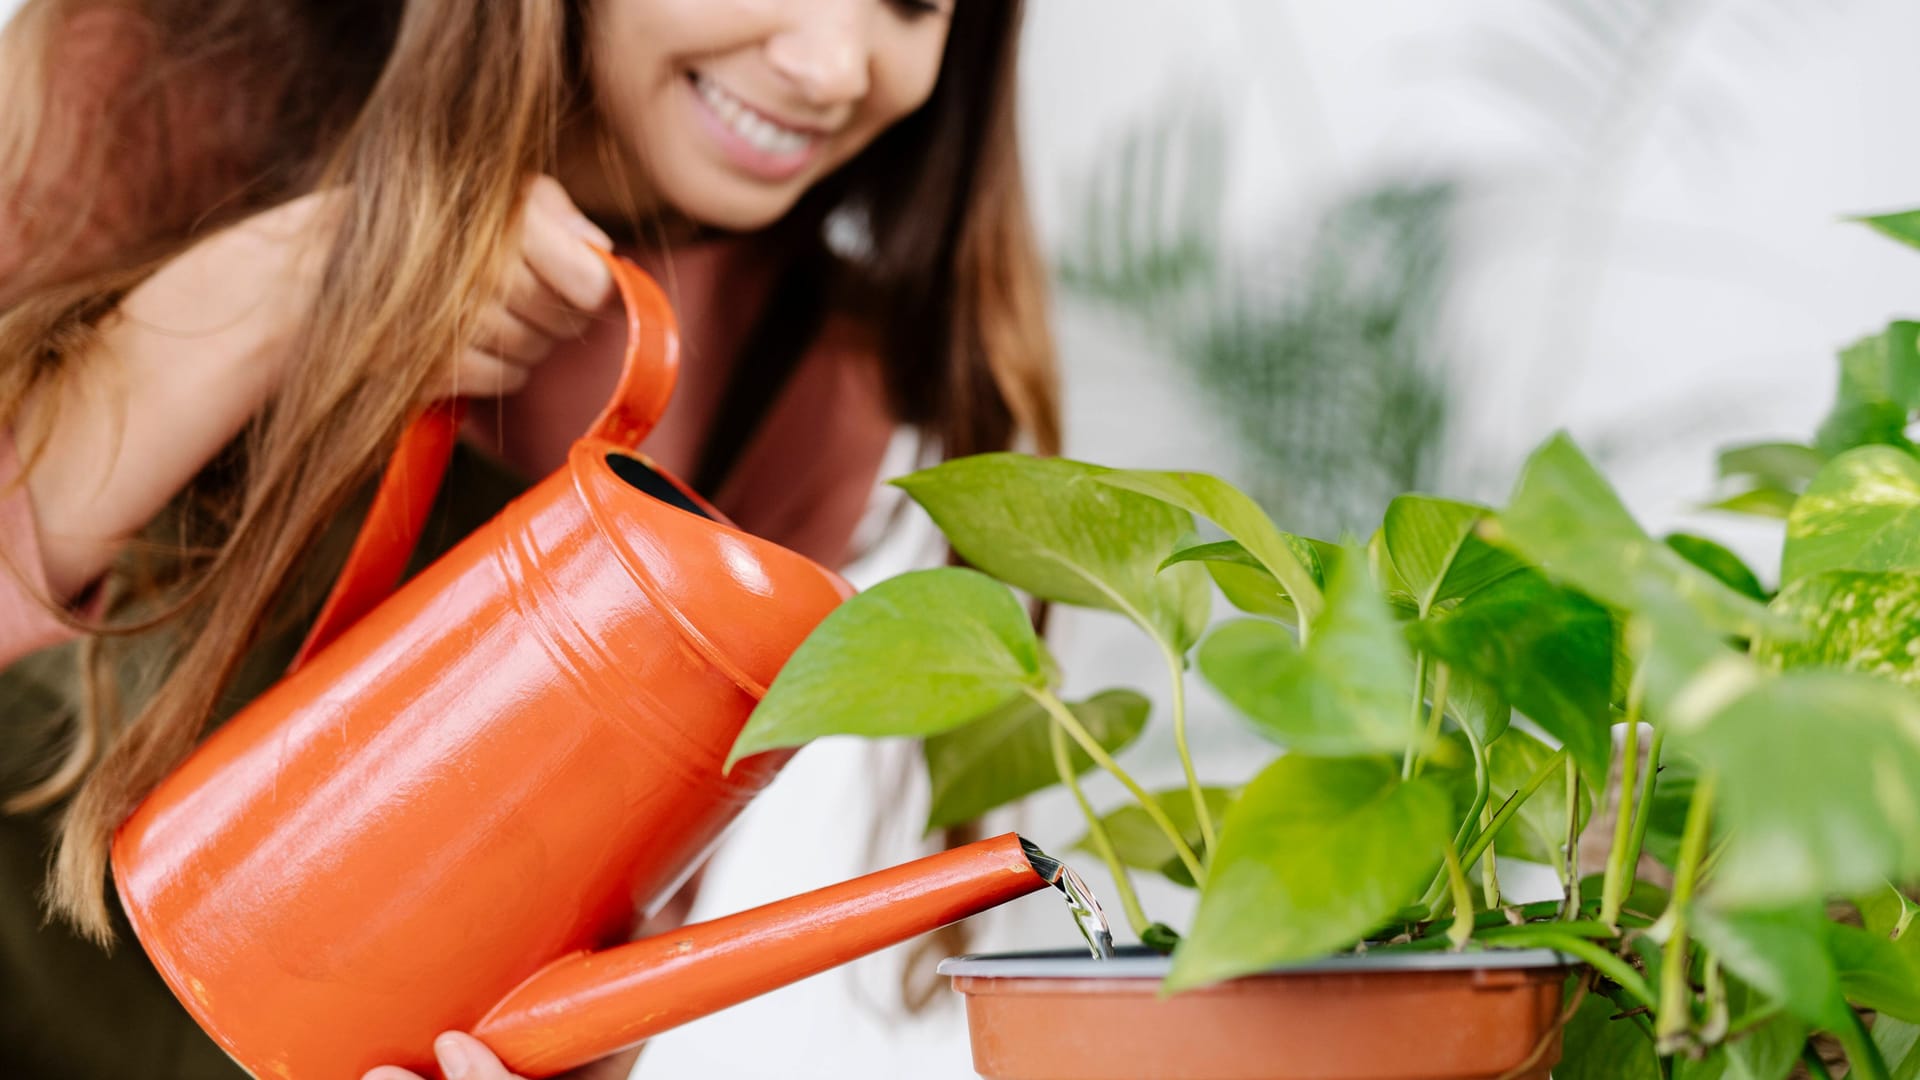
(1008, 753)
(1766, 1052)
(1881, 911)
(1238, 515)
(1861, 513)
(917, 654)
(1883, 367)
(1316, 853)
(1903, 226)
(1875, 973)
(1766, 502)
(1595, 1046)
(1819, 788)
(1788, 466)
(1348, 691)
(1142, 845)
(1783, 954)
(1539, 828)
(1473, 703)
(1245, 581)
(1435, 551)
(1899, 1043)
(1715, 559)
(1546, 649)
(1050, 527)
(1863, 622)
(1566, 519)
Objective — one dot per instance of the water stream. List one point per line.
(1080, 900)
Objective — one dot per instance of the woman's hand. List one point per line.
(551, 292)
(200, 346)
(463, 1057)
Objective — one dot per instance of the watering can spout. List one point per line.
(590, 1004)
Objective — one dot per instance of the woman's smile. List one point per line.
(751, 139)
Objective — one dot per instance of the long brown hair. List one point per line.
(432, 113)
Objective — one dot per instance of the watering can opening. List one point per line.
(640, 475)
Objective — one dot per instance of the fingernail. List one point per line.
(591, 233)
(453, 1057)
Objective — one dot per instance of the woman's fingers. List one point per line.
(512, 338)
(557, 242)
(482, 374)
(461, 1057)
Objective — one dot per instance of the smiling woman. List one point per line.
(241, 243)
(734, 110)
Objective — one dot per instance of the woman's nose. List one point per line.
(825, 50)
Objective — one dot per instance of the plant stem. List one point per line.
(1064, 717)
(1572, 882)
(1413, 722)
(1596, 956)
(1643, 806)
(1097, 832)
(1434, 719)
(1676, 1015)
(1613, 894)
(1489, 873)
(1462, 928)
(1512, 806)
(1176, 668)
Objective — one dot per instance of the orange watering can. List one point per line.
(446, 815)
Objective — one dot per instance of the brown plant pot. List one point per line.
(1386, 1016)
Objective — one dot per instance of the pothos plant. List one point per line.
(1452, 693)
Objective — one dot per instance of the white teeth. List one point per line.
(759, 132)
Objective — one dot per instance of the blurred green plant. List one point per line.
(1321, 358)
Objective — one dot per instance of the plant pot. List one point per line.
(1385, 1016)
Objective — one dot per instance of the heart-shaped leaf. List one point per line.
(1548, 650)
(1539, 828)
(917, 654)
(1141, 844)
(1435, 550)
(1715, 559)
(1597, 1045)
(1899, 1043)
(1875, 973)
(1782, 953)
(1565, 518)
(1903, 226)
(1238, 515)
(1861, 513)
(1051, 527)
(1790, 466)
(1866, 622)
(1765, 501)
(1473, 703)
(1008, 754)
(1316, 853)
(1245, 581)
(1819, 780)
(1348, 691)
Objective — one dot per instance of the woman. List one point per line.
(242, 240)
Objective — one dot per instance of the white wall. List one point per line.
(1722, 286)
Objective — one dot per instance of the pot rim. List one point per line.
(1141, 963)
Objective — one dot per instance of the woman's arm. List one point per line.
(197, 349)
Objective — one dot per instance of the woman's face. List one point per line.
(731, 109)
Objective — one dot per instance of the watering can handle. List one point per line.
(386, 540)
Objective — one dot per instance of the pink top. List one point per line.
(804, 481)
